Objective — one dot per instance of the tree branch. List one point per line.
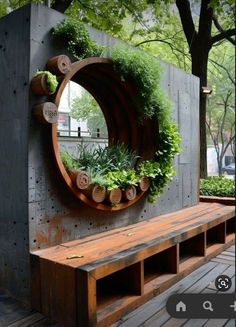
(225, 69)
(186, 20)
(223, 35)
(163, 41)
(220, 29)
(61, 5)
(135, 15)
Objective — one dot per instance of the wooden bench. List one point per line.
(95, 280)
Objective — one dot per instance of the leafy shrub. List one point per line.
(76, 39)
(144, 72)
(121, 179)
(70, 162)
(217, 186)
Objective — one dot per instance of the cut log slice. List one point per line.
(144, 183)
(114, 196)
(129, 193)
(59, 65)
(46, 113)
(99, 193)
(83, 180)
(95, 192)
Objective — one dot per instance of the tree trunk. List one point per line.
(199, 68)
(199, 43)
(220, 166)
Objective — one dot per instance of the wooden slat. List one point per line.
(86, 305)
(123, 241)
(218, 199)
(183, 214)
(106, 247)
(28, 321)
(35, 282)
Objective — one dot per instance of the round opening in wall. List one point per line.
(115, 98)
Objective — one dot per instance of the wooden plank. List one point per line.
(174, 322)
(28, 321)
(195, 322)
(228, 253)
(196, 211)
(11, 310)
(35, 282)
(230, 323)
(231, 249)
(227, 262)
(47, 273)
(124, 243)
(225, 257)
(216, 322)
(86, 299)
(223, 200)
(158, 319)
(146, 247)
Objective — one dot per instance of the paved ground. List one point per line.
(152, 313)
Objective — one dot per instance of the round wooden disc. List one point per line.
(59, 65)
(130, 192)
(98, 193)
(144, 183)
(83, 180)
(46, 112)
(115, 196)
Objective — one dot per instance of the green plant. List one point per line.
(69, 161)
(144, 72)
(217, 186)
(51, 80)
(168, 148)
(121, 179)
(76, 39)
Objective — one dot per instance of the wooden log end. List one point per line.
(129, 193)
(144, 183)
(59, 65)
(114, 196)
(46, 113)
(83, 180)
(98, 193)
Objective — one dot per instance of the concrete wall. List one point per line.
(37, 210)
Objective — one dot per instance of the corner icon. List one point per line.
(180, 307)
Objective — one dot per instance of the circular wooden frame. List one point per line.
(118, 102)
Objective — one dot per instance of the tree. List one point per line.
(85, 107)
(221, 125)
(220, 118)
(200, 43)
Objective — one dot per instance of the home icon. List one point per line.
(181, 306)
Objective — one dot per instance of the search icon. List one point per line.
(207, 305)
